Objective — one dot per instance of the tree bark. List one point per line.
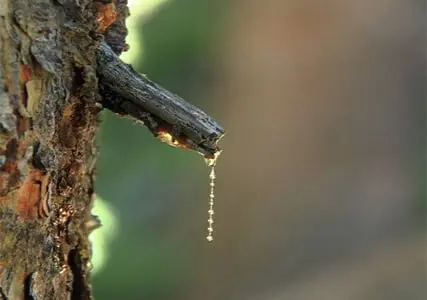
(48, 120)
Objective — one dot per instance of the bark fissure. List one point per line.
(2, 295)
(27, 288)
(79, 289)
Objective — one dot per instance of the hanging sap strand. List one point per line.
(210, 159)
(211, 163)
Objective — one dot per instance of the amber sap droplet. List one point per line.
(211, 163)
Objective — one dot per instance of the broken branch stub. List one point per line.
(167, 116)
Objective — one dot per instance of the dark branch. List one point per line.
(126, 92)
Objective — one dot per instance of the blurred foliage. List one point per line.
(101, 237)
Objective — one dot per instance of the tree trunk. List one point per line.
(48, 120)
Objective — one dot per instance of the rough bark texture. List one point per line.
(48, 120)
(128, 93)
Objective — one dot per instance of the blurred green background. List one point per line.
(321, 186)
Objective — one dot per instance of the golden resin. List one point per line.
(211, 163)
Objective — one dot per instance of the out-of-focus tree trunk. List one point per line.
(325, 142)
(48, 120)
